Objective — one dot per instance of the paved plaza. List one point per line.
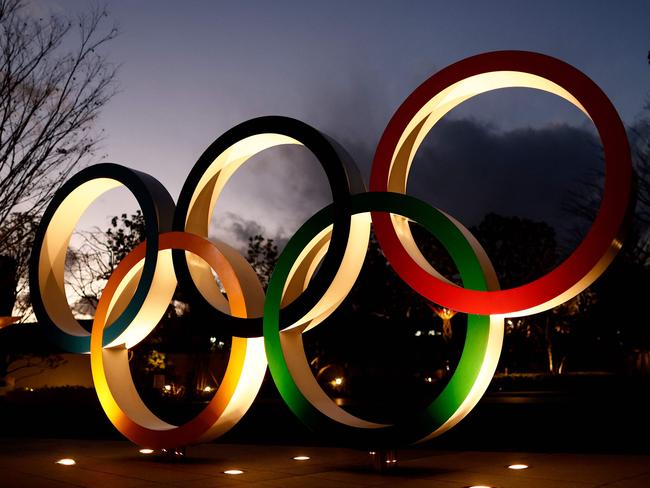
(114, 464)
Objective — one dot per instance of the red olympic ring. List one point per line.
(450, 87)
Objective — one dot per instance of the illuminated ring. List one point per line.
(110, 366)
(447, 89)
(292, 374)
(47, 262)
(212, 171)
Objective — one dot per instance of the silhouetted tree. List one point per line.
(521, 251)
(52, 88)
(91, 264)
(619, 294)
(262, 254)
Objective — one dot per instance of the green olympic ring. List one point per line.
(477, 363)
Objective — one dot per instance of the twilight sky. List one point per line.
(191, 70)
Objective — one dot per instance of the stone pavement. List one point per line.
(115, 464)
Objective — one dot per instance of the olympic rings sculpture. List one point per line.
(270, 327)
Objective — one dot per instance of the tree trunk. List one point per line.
(549, 346)
(8, 283)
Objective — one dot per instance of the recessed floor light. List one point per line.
(301, 458)
(146, 451)
(233, 471)
(66, 462)
(518, 466)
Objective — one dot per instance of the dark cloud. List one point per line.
(242, 229)
(355, 106)
(470, 169)
(465, 167)
(273, 194)
(299, 174)
(236, 231)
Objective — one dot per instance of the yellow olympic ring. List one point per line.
(110, 367)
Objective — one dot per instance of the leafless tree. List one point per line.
(90, 264)
(641, 152)
(584, 201)
(87, 268)
(54, 80)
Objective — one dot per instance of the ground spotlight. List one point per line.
(66, 462)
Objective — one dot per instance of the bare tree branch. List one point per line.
(50, 97)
